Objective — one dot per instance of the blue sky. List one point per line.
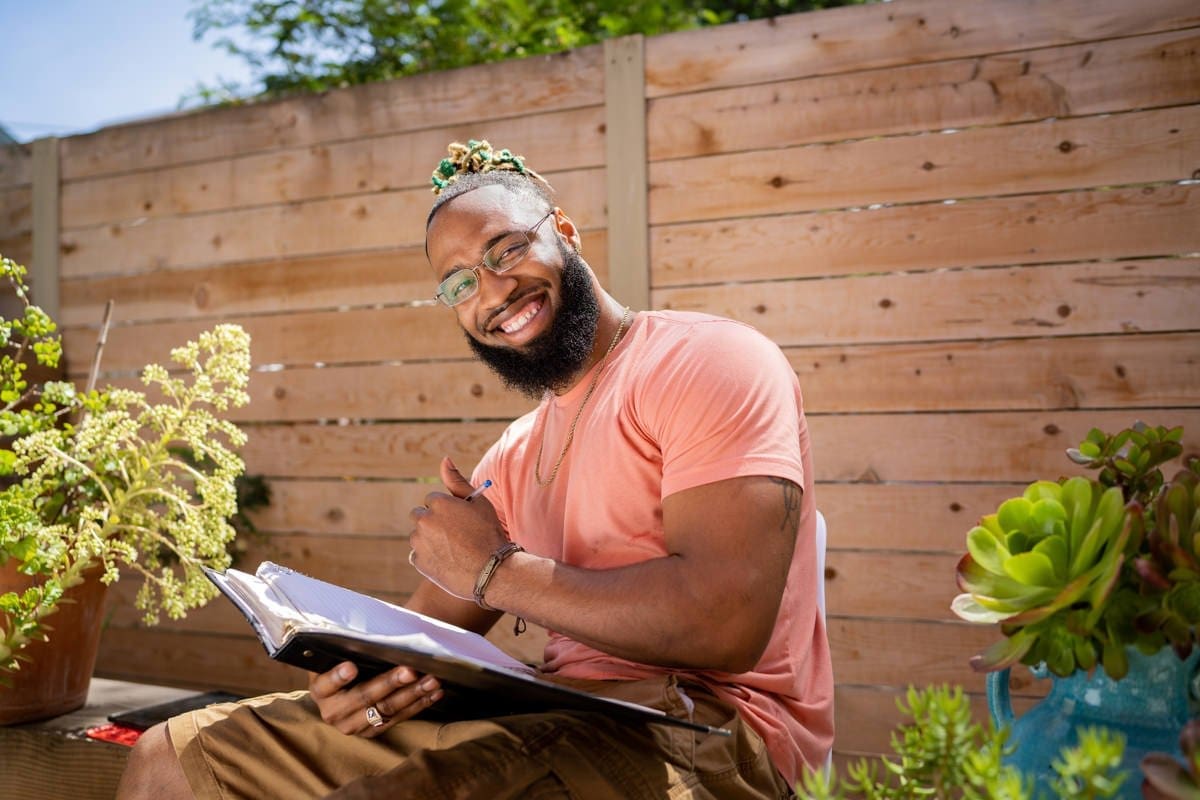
(72, 66)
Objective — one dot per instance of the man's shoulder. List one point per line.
(693, 330)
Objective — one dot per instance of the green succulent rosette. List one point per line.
(1045, 567)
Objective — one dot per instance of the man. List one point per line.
(655, 513)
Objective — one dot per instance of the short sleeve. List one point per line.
(723, 402)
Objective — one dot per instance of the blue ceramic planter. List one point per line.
(1149, 705)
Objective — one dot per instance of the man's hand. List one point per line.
(452, 538)
(397, 695)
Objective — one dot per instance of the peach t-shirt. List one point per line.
(685, 399)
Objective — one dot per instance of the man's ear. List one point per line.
(566, 228)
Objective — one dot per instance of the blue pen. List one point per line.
(479, 491)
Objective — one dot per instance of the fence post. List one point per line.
(44, 270)
(625, 170)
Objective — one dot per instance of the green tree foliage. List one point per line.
(313, 45)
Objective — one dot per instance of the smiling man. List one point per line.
(655, 512)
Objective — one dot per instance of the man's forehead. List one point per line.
(484, 212)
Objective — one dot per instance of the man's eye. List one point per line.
(464, 286)
(510, 253)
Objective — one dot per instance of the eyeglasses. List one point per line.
(500, 257)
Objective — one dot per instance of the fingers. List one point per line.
(404, 703)
(397, 695)
(454, 480)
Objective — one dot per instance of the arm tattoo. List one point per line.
(791, 504)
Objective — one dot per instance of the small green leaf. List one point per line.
(1032, 569)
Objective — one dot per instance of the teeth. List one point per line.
(516, 323)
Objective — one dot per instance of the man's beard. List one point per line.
(550, 361)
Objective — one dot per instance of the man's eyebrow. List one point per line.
(492, 242)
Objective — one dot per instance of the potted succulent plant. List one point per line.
(95, 482)
(1094, 571)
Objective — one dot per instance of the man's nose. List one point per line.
(494, 288)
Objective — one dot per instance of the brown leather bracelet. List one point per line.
(489, 569)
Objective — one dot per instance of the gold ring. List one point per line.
(374, 717)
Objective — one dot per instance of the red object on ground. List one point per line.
(120, 734)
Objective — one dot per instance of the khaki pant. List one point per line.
(276, 746)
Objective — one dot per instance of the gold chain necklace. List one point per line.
(537, 466)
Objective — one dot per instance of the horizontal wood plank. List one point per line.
(852, 38)
(906, 517)
(16, 165)
(895, 585)
(1049, 373)
(360, 222)
(18, 246)
(393, 275)
(867, 715)
(404, 450)
(207, 662)
(342, 506)
(16, 210)
(1137, 147)
(1107, 224)
(1097, 77)
(393, 334)
(983, 447)
(557, 141)
(1061, 299)
(454, 97)
(933, 653)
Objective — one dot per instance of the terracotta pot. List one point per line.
(56, 680)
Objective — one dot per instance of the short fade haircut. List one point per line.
(520, 185)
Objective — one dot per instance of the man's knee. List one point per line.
(153, 770)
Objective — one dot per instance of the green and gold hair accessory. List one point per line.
(477, 157)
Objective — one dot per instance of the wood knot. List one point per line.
(954, 31)
(956, 506)
(1064, 311)
(760, 309)
(928, 166)
(335, 514)
(885, 303)
(476, 390)
(1065, 146)
(777, 181)
(280, 392)
(200, 296)
(1120, 370)
(830, 573)
(1051, 429)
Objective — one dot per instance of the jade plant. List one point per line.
(114, 479)
(1076, 570)
(939, 752)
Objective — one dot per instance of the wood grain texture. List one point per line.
(1060, 299)
(1030, 229)
(331, 226)
(1012, 374)
(1096, 77)
(844, 39)
(1134, 147)
(384, 277)
(16, 165)
(944, 448)
(448, 98)
(557, 141)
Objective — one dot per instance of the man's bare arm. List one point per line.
(710, 604)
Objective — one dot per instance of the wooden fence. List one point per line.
(973, 226)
